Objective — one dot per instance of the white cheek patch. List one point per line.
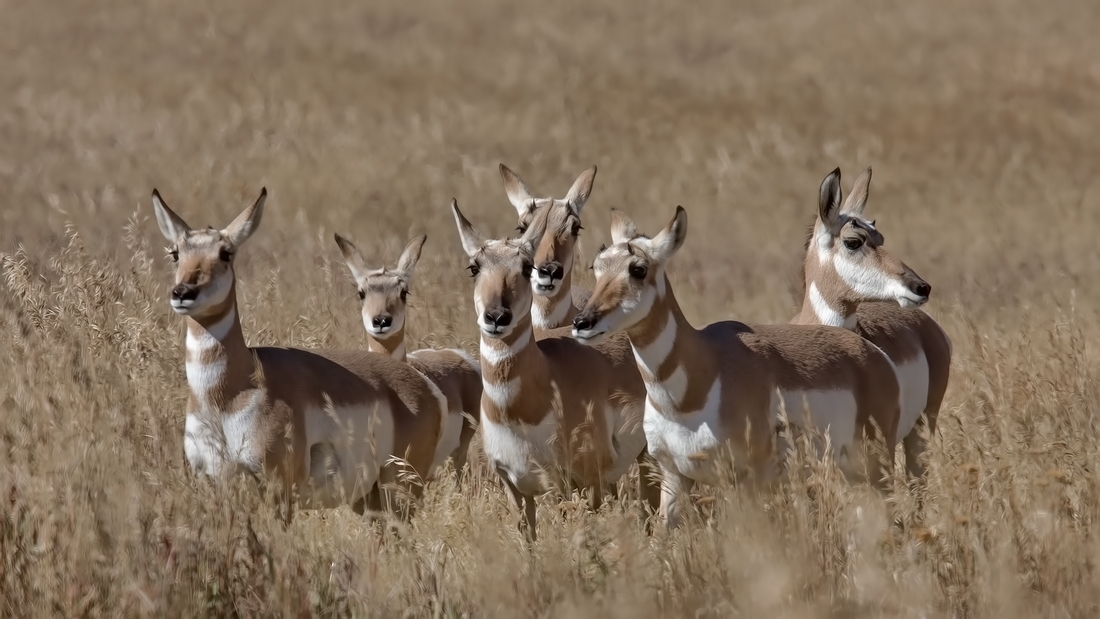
(868, 282)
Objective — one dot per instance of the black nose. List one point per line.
(920, 288)
(584, 321)
(499, 317)
(185, 292)
(552, 270)
(382, 321)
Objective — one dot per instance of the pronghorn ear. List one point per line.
(247, 222)
(518, 193)
(667, 241)
(622, 227)
(472, 240)
(581, 189)
(352, 257)
(171, 225)
(828, 205)
(857, 198)
(533, 236)
(407, 262)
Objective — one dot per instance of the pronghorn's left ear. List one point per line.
(518, 193)
(472, 240)
(247, 222)
(622, 227)
(857, 199)
(533, 236)
(171, 225)
(407, 262)
(581, 189)
(828, 205)
(667, 241)
(352, 257)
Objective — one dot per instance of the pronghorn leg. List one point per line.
(915, 445)
(524, 504)
(462, 454)
(674, 488)
(649, 488)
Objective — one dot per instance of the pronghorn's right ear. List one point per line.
(518, 193)
(411, 255)
(352, 257)
(472, 241)
(669, 240)
(857, 198)
(581, 189)
(247, 222)
(828, 205)
(622, 227)
(171, 225)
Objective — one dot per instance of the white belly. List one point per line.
(448, 439)
(629, 433)
(913, 378)
(520, 452)
(346, 446)
(831, 412)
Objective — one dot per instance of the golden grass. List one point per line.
(366, 118)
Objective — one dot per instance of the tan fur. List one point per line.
(550, 379)
(748, 362)
(269, 401)
(903, 334)
(384, 292)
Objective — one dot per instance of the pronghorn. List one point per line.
(325, 423)
(547, 404)
(846, 266)
(556, 301)
(715, 389)
(384, 293)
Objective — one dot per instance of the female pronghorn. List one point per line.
(556, 301)
(384, 294)
(715, 388)
(550, 403)
(847, 265)
(324, 423)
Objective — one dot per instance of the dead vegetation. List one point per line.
(365, 118)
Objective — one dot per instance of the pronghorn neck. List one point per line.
(507, 358)
(819, 307)
(672, 357)
(556, 310)
(392, 346)
(219, 363)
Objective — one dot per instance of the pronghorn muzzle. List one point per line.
(548, 275)
(498, 317)
(381, 322)
(919, 288)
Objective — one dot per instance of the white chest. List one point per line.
(520, 451)
(685, 441)
(913, 379)
(212, 442)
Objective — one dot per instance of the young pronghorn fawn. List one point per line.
(550, 404)
(846, 266)
(384, 295)
(556, 301)
(714, 392)
(323, 423)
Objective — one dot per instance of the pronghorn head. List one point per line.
(846, 259)
(204, 258)
(385, 291)
(502, 274)
(553, 258)
(630, 277)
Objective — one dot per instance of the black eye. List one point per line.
(225, 255)
(527, 268)
(474, 270)
(603, 248)
(522, 228)
(404, 296)
(577, 229)
(637, 271)
(853, 244)
(174, 254)
(362, 294)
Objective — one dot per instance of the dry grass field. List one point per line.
(981, 122)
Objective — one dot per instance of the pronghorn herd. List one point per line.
(571, 385)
